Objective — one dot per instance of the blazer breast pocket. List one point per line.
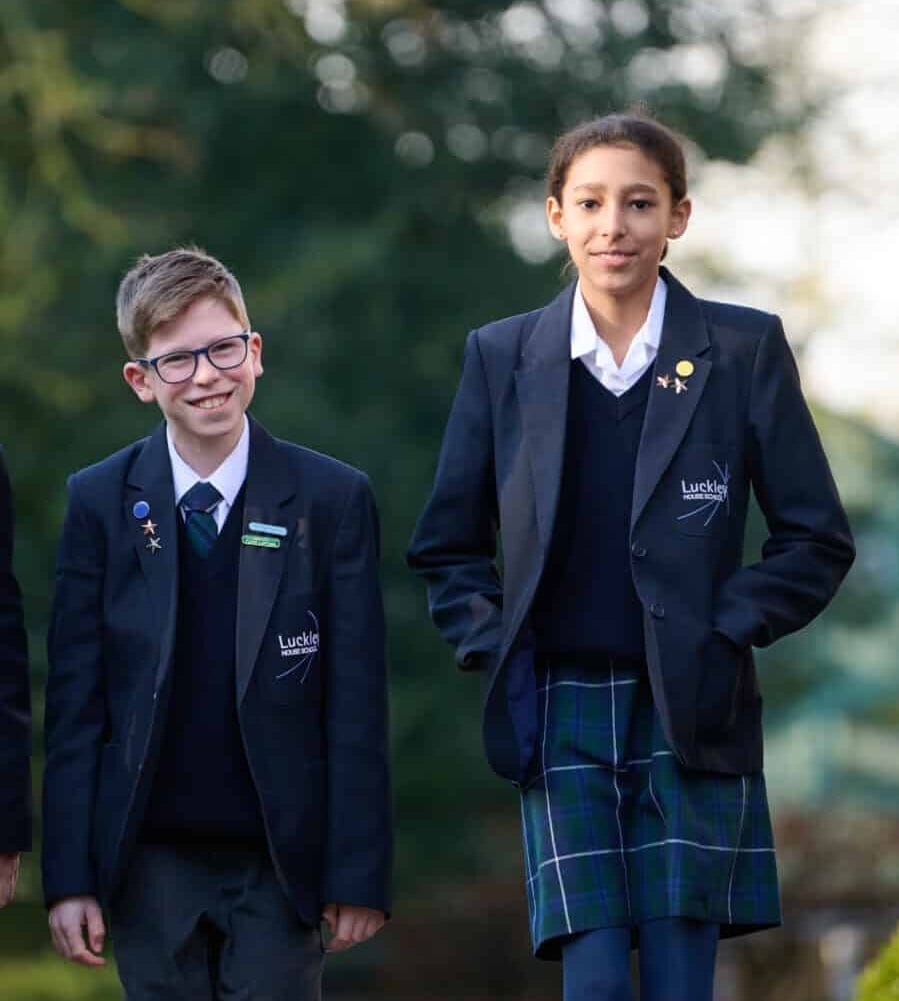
(703, 484)
(289, 667)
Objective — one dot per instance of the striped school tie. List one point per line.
(198, 504)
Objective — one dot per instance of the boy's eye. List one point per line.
(641, 203)
(176, 359)
(589, 203)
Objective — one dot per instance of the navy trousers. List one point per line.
(676, 956)
(211, 925)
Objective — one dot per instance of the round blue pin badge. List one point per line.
(141, 509)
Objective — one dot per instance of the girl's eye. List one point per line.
(589, 203)
(641, 203)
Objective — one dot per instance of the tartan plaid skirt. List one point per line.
(617, 831)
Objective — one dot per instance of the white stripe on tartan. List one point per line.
(549, 812)
(652, 844)
(653, 794)
(527, 868)
(733, 867)
(627, 891)
(589, 684)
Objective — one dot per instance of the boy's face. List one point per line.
(205, 412)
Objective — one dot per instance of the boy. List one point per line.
(216, 708)
(15, 709)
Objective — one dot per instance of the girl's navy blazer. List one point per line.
(313, 722)
(737, 420)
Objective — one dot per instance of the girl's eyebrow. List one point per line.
(627, 189)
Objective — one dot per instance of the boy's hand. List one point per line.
(9, 877)
(67, 919)
(350, 925)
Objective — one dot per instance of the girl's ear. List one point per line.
(680, 217)
(138, 378)
(554, 217)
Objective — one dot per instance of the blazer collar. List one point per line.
(685, 338)
(271, 498)
(149, 488)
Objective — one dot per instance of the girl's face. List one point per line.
(615, 214)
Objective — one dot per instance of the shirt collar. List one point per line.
(643, 348)
(227, 479)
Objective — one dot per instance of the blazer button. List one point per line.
(657, 610)
(638, 550)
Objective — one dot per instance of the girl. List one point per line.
(613, 437)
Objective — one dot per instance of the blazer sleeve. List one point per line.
(15, 700)
(454, 543)
(359, 829)
(75, 717)
(809, 548)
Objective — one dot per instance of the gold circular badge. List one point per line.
(684, 368)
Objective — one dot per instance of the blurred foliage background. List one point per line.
(370, 171)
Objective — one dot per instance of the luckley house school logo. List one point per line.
(299, 650)
(706, 497)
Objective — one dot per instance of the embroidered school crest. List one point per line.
(300, 649)
(705, 498)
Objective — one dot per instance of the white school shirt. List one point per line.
(596, 355)
(227, 479)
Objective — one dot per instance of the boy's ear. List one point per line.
(254, 348)
(138, 378)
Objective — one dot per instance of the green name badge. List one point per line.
(265, 541)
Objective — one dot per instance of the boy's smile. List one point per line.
(204, 412)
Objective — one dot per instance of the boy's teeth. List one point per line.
(210, 403)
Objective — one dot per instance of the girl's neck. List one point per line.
(618, 318)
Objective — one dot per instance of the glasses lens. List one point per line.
(175, 367)
(229, 352)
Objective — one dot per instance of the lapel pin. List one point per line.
(263, 529)
(141, 509)
(263, 541)
(663, 380)
(684, 368)
(149, 527)
(680, 386)
(154, 545)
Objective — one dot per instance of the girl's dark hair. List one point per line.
(637, 129)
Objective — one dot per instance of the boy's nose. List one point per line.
(206, 371)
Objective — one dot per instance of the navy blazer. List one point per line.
(15, 698)
(316, 738)
(740, 421)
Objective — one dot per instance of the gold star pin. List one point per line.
(680, 386)
(684, 368)
(154, 545)
(149, 527)
(663, 380)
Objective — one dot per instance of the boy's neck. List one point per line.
(205, 455)
(617, 319)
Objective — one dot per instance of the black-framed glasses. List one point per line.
(179, 366)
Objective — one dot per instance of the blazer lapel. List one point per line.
(669, 412)
(542, 386)
(267, 497)
(150, 483)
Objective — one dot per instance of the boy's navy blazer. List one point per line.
(15, 699)
(741, 421)
(315, 737)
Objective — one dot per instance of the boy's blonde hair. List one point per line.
(159, 288)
